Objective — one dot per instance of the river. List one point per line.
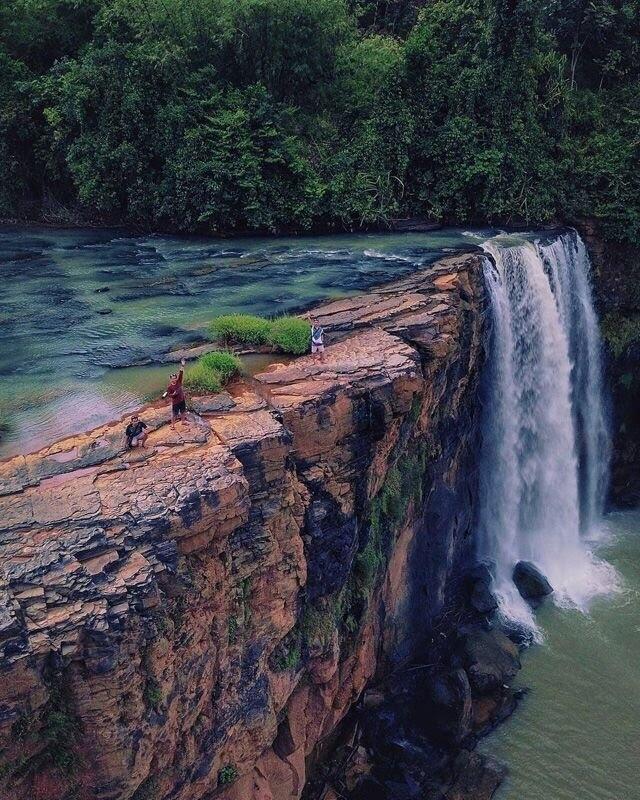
(86, 315)
(79, 307)
(576, 735)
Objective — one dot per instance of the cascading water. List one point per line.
(545, 441)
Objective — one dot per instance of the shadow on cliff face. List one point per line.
(616, 277)
(413, 734)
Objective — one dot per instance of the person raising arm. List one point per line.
(175, 391)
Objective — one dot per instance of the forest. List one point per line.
(223, 116)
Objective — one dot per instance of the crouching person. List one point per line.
(136, 432)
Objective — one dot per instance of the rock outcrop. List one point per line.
(191, 620)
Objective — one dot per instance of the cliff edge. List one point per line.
(191, 620)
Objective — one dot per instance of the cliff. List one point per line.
(193, 619)
(617, 287)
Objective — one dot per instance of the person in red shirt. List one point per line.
(178, 400)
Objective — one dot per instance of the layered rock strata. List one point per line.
(193, 619)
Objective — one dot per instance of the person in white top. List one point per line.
(317, 338)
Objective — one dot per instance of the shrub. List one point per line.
(152, 694)
(620, 331)
(227, 775)
(200, 378)
(291, 335)
(221, 361)
(288, 334)
(289, 658)
(233, 629)
(245, 328)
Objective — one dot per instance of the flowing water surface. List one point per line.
(576, 735)
(544, 459)
(544, 466)
(78, 308)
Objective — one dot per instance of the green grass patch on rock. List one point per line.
(222, 361)
(202, 380)
(291, 335)
(287, 334)
(240, 328)
(228, 775)
(211, 372)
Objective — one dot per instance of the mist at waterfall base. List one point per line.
(545, 451)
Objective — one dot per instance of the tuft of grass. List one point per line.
(202, 379)
(289, 659)
(288, 334)
(233, 626)
(228, 775)
(152, 694)
(291, 335)
(223, 362)
(244, 328)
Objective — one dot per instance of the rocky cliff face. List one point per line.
(617, 285)
(190, 621)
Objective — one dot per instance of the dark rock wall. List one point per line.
(617, 287)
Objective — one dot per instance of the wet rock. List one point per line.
(450, 703)
(490, 658)
(476, 777)
(481, 598)
(530, 582)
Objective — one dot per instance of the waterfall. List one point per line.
(545, 451)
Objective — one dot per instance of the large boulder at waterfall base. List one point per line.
(530, 582)
(490, 658)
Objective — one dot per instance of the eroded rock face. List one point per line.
(191, 619)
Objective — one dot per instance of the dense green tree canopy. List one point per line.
(233, 115)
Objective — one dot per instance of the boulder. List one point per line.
(490, 658)
(476, 777)
(478, 581)
(482, 599)
(450, 704)
(530, 582)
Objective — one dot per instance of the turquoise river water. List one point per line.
(576, 735)
(78, 308)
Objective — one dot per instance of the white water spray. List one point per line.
(545, 441)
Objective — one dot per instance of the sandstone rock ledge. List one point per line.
(172, 621)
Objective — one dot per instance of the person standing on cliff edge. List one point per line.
(178, 400)
(317, 339)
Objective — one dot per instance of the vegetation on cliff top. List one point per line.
(287, 334)
(224, 115)
(212, 371)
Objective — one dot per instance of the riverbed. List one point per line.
(86, 315)
(576, 735)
